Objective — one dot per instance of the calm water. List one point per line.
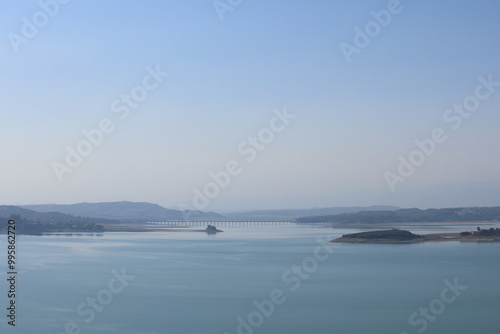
(196, 283)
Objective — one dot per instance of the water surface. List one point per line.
(193, 283)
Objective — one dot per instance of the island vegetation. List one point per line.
(403, 236)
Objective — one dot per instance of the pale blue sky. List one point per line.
(352, 121)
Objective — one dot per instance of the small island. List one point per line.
(395, 236)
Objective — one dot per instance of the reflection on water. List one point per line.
(68, 235)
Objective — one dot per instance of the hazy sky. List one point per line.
(304, 103)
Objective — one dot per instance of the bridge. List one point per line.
(225, 223)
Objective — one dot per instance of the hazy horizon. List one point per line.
(229, 205)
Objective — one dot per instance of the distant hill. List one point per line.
(410, 216)
(7, 211)
(292, 214)
(125, 211)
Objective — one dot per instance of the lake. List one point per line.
(279, 280)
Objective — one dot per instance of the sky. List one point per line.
(236, 104)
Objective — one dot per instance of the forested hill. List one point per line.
(31, 222)
(25, 215)
(136, 212)
(292, 214)
(409, 216)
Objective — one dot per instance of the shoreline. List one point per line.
(415, 224)
(128, 228)
(421, 238)
(120, 228)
